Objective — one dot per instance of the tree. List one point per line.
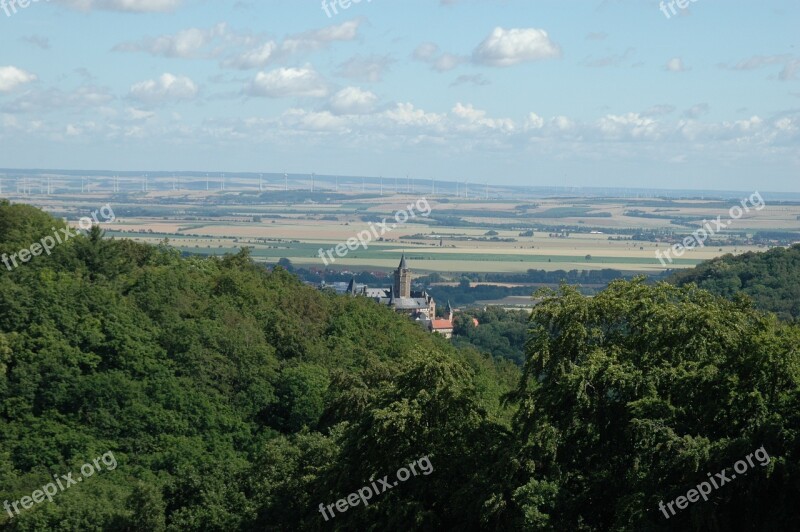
(630, 397)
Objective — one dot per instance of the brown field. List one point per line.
(180, 216)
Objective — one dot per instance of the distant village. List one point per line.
(417, 304)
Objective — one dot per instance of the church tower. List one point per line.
(402, 279)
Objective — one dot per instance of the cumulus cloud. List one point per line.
(316, 39)
(675, 65)
(508, 47)
(166, 88)
(368, 69)
(322, 121)
(288, 82)
(130, 6)
(353, 100)
(184, 44)
(631, 125)
(408, 115)
(440, 62)
(257, 57)
(533, 121)
(260, 53)
(243, 50)
(790, 64)
(55, 99)
(477, 118)
(12, 77)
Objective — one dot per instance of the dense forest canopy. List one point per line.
(772, 279)
(237, 398)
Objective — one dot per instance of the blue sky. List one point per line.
(540, 92)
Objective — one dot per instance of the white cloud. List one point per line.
(262, 52)
(130, 6)
(353, 100)
(167, 88)
(425, 51)
(257, 57)
(429, 53)
(476, 118)
(791, 65)
(407, 114)
(139, 114)
(288, 82)
(675, 65)
(184, 44)
(295, 119)
(508, 47)
(316, 39)
(533, 121)
(41, 101)
(561, 123)
(631, 125)
(368, 69)
(12, 77)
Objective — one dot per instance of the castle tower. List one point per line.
(351, 288)
(402, 279)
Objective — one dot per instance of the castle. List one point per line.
(417, 304)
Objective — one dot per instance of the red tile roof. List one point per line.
(442, 324)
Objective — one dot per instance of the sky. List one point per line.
(612, 93)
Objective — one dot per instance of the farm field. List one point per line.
(458, 235)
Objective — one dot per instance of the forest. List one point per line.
(771, 279)
(235, 397)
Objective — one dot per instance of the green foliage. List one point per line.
(771, 279)
(237, 398)
(230, 393)
(300, 397)
(630, 397)
(499, 332)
